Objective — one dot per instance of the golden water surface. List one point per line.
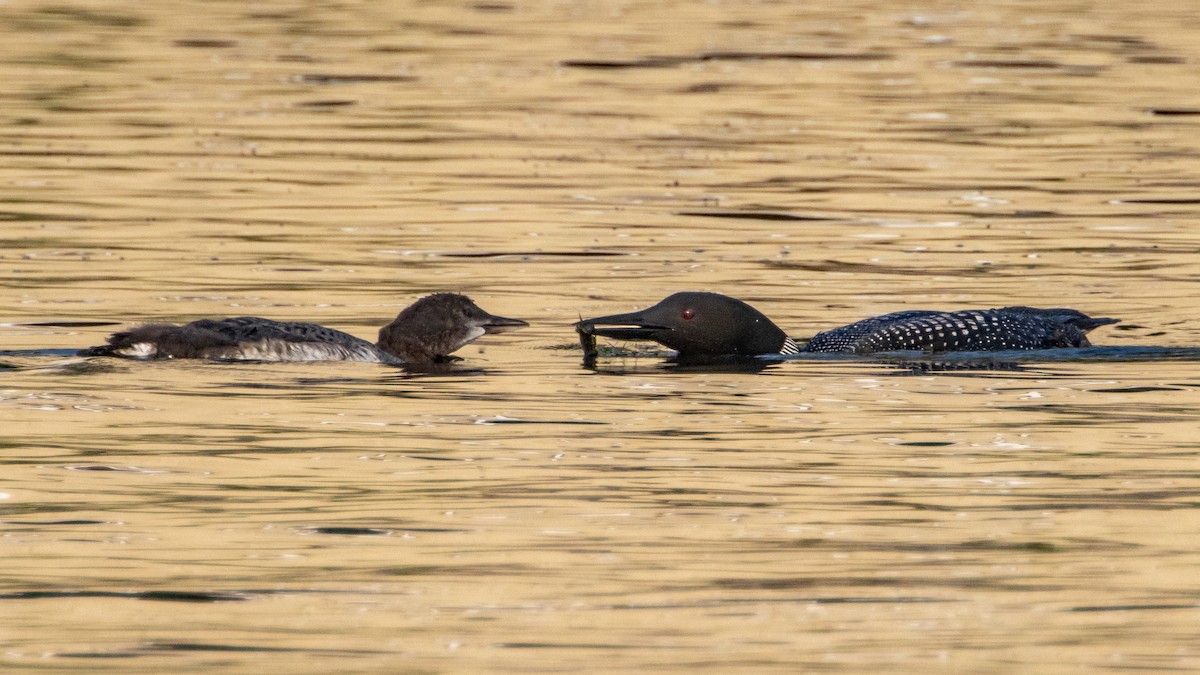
(332, 162)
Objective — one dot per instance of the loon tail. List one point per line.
(144, 341)
(99, 350)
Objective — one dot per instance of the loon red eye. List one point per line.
(687, 314)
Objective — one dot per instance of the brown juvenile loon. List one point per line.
(707, 325)
(425, 333)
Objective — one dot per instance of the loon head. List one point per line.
(697, 325)
(433, 327)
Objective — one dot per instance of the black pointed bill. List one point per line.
(620, 327)
(499, 324)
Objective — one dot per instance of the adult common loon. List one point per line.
(707, 325)
(425, 333)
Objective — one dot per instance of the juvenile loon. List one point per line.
(425, 333)
(707, 325)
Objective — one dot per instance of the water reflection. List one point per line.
(820, 513)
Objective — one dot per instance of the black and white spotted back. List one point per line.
(969, 330)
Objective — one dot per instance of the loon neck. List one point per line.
(423, 347)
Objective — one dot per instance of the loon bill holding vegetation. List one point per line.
(425, 333)
(709, 325)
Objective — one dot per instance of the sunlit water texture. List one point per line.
(332, 162)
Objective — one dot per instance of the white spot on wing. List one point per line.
(139, 350)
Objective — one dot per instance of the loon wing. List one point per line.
(253, 328)
(249, 338)
(969, 330)
(244, 338)
(846, 338)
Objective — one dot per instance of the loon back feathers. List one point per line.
(1000, 329)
